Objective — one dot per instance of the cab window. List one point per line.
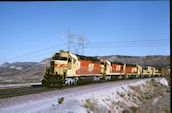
(69, 60)
(102, 63)
(57, 57)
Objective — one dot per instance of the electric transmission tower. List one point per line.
(77, 42)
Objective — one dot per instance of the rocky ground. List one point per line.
(129, 96)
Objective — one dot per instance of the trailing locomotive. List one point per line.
(69, 69)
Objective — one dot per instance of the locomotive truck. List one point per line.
(66, 68)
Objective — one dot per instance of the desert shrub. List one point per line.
(137, 89)
(102, 110)
(70, 112)
(121, 94)
(60, 100)
(168, 89)
(93, 106)
(129, 94)
(140, 98)
(53, 105)
(127, 110)
(153, 80)
(148, 95)
(90, 105)
(133, 109)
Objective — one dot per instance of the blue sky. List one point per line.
(32, 31)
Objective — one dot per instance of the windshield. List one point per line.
(102, 63)
(58, 57)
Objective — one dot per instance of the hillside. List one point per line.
(32, 71)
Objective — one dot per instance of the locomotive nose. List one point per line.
(60, 64)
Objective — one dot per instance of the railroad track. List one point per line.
(11, 92)
(19, 91)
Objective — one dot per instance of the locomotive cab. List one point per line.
(62, 65)
(58, 63)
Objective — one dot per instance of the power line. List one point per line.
(140, 43)
(128, 43)
(117, 46)
(36, 56)
(32, 53)
(135, 44)
(160, 40)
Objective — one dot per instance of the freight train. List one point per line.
(66, 68)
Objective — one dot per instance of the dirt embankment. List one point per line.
(155, 100)
(148, 97)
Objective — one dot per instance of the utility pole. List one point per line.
(78, 42)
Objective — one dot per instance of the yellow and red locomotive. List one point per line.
(66, 69)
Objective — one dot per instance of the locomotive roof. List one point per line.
(74, 56)
(88, 58)
(130, 64)
(144, 67)
(114, 62)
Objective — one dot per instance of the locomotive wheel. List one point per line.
(51, 81)
(44, 83)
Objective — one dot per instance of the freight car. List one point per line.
(69, 69)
